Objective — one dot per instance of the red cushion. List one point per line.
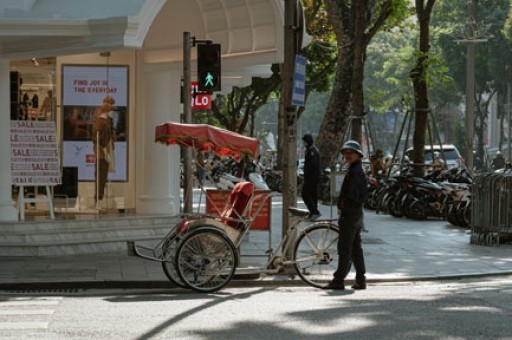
(238, 200)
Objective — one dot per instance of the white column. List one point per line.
(157, 166)
(7, 211)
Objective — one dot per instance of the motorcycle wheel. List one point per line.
(370, 202)
(394, 207)
(326, 196)
(461, 218)
(418, 211)
(452, 219)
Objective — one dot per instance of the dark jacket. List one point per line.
(312, 165)
(354, 189)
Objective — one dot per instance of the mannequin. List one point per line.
(47, 111)
(102, 140)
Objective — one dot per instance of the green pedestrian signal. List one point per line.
(208, 67)
(209, 80)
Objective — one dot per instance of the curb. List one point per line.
(44, 287)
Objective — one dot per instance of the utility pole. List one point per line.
(288, 115)
(187, 115)
(470, 83)
(509, 118)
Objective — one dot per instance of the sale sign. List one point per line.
(200, 100)
(34, 153)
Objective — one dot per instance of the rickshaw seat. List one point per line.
(238, 199)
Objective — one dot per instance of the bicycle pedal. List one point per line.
(269, 251)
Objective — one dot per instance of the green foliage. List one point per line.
(400, 10)
(236, 110)
(492, 57)
(507, 28)
(390, 57)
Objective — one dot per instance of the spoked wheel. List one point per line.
(206, 260)
(316, 254)
(169, 254)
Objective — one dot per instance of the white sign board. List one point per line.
(81, 155)
(34, 153)
(299, 81)
(88, 85)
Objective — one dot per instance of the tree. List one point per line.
(493, 66)
(419, 80)
(354, 23)
(237, 110)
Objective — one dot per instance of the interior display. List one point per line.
(84, 89)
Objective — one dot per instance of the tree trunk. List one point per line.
(359, 13)
(334, 123)
(482, 115)
(354, 23)
(419, 79)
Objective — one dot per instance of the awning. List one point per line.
(207, 138)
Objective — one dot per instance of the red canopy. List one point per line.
(207, 137)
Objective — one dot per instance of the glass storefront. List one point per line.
(71, 96)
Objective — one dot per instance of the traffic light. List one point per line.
(208, 67)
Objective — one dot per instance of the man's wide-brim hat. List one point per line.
(353, 146)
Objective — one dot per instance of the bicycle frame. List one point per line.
(277, 260)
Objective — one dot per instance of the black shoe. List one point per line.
(336, 285)
(358, 286)
(312, 217)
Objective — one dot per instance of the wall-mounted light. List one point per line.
(35, 62)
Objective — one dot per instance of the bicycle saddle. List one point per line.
(298, 212)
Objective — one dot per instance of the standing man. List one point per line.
(354, 191)
(311, 177)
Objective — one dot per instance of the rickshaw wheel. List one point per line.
(169, 254)
(206, 259)
(316, 254)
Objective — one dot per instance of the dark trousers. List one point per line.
(101, 179)
(350, 249)
(310, 196)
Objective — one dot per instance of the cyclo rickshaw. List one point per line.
(201, 252)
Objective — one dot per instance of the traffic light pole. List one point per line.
(188, 43)
(187, 114)
(288, 118)
(470, 85)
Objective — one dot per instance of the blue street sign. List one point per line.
(299, 81)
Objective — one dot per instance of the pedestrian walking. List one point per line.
(311, 177)
(378, 165)
(437, 162)
(353, 193)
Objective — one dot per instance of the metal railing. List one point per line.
(492, 208)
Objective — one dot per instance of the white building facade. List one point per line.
(145, 37)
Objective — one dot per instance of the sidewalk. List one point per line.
(395, 250)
